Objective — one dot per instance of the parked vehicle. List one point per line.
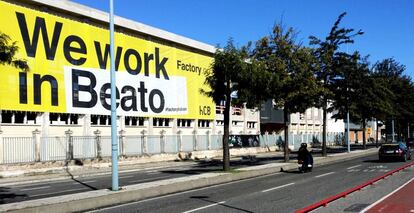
(397, 151)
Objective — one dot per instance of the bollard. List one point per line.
(98, 144)
(162, 141)
(1, 147)
(208, 140)
(36, 139)
(69, 140)
(122, 142)
(144, 142)
(195, 148)
(179, 141)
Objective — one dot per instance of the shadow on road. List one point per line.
(78, 181)
(6, 194)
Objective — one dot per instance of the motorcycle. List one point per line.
(305, 166)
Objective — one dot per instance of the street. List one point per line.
(15, 192)
(281, 192)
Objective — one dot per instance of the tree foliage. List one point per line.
(293, 66)
(233, 71)
(328, 52)
(8, 50)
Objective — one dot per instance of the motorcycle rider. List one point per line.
(305, 158)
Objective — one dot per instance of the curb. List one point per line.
(101, 198)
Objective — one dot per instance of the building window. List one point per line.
(235, 123)
(31, 117)
(101, 120)
(236, 111)
(18, 117)
(6, 117)
(203, 123)
(184, 122)
(63, 119)
(219, 109)
(219, 123)
(134, 121)
(251, 125)
(161, 122)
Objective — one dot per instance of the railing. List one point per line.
(64, 148)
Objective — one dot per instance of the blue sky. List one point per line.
(388, 24)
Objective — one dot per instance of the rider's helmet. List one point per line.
(303, 145)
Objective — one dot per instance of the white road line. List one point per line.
(35, 188)
(89, 181)
(128, 176)
(354, 166)
(278, 187)
(57, 192)
(204, 207)
(145, 179)
(385, 197)
(322, 175)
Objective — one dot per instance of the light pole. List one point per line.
(347, 114)
(347, 131)
(114, 137)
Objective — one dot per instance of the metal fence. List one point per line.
(53, 148)
(18, 150)
(36, 148)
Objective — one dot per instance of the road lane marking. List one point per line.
(386, 196)
(278, 187)
(354, 166)
(81, 182)
(204, 207)
(322, 175)
(35, 188)
(145, 179)
(52, 193)
(128, 176)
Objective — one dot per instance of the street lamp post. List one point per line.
(114, 137)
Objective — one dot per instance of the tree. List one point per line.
(294, 67)
(357, 91)
(8, 50)
(231, 71)
(325, 53)
(391, 74)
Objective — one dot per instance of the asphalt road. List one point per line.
(17, 192)
(281, 192)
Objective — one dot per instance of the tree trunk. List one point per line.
(364, 141)
(408, 130)
(286, 145)
(324, 154)
(226, 152)
(376, 135)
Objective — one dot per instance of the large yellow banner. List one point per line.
(69, 70)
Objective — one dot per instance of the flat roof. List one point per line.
(101, 16)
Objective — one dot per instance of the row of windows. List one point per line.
(9, 117)
(234, 110)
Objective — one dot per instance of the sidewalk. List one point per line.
(99, 198)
